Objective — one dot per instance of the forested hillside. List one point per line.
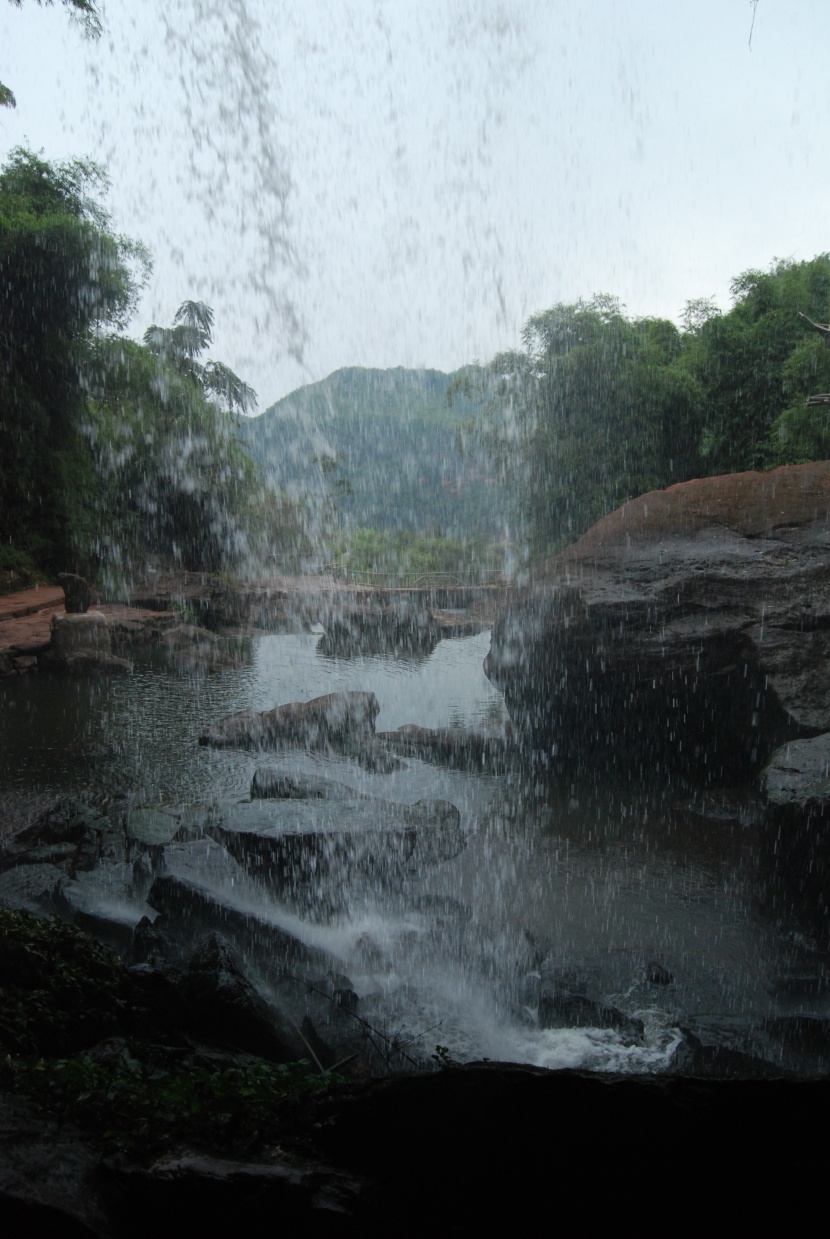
(114, 452)
(379, 449)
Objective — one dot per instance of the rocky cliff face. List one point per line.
(687, 632)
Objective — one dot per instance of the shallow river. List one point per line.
(581, 879)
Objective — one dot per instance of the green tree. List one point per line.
(110, 450)
(592, 410)
(66, 278)
(756, 364)
(162, 425)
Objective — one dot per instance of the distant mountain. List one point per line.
(393, 437)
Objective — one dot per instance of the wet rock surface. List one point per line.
(272, 783)
(82, 644)
(686, 631)
(454, 747)
(227, 1008)
(345, 719)
(307, 852)
(404, 628)
(78, 594)
(795, 854)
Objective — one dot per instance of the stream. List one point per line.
(588, 883)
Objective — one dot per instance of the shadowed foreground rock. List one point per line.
(456, 1153)
(686, 632)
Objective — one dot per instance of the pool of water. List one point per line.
(585, 878)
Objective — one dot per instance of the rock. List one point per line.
(158, 992)
(373, 1146)
(269, 783)
(30, 888)
(338, 719)
(560, 1008)
(87, 632)
(305, 850)
(49, 1173)
(796, 832)
(25, 662)
(462, 750)
(191, 649)
(656, 974)
(403, 628)
(82, 643)
(103, 904)
(465, 1127)
(70, 833)
(798, 775)
(189, 1191)
(149, 943)
(78, 593)
(151, 828)
(204, 890)
(686, 631)
(227, 1009)
(803, 1041)
(374, 759)
(724, 1049)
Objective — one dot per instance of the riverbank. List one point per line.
(357, 615)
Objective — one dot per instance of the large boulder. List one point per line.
(687, 631)
(82, 642)
(227, 1008)
(796, 832)
(452, 746)
(318, 852)
(404, 628)
(344, 719)
(271, 783)
(77, 592)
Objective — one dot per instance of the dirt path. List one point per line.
(25, 626)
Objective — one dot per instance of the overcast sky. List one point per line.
(402, 182)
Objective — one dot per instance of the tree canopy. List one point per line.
(110, 450)
(597, 407)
